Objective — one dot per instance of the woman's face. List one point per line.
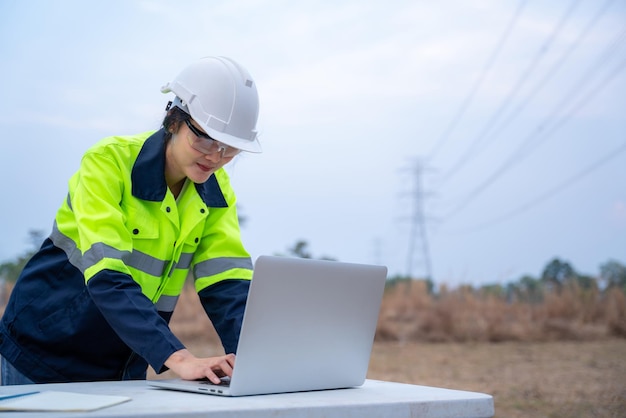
(185, 161)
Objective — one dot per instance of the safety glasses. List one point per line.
(207, 145)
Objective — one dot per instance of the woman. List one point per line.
(141, 213)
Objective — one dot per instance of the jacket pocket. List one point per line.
(141, 223)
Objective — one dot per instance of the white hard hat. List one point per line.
(221, 97)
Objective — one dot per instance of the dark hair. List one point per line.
(171, 122)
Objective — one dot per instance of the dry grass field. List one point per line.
(551, 379)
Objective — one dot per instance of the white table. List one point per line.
(373, 399)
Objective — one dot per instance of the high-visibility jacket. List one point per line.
(94, 302)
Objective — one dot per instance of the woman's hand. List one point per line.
(190, 367)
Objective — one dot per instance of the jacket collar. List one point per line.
(148, 175)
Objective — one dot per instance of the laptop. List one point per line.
(308, 325)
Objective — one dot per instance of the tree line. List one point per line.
(556, 275)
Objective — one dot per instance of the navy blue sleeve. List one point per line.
(133, 317)
(224, 303)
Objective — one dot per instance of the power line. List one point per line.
(518, 155)
(611, 51)
(554, 69)
(545, 47)
(553, 191)
(549, 74)
(479, 81)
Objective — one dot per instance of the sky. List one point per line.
(473, 141)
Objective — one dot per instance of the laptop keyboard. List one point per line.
(225, 381)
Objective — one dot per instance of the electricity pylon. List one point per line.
(418, 237)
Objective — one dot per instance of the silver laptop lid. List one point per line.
(308, 325)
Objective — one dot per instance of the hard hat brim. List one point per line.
(248, 145)
(253, 146)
